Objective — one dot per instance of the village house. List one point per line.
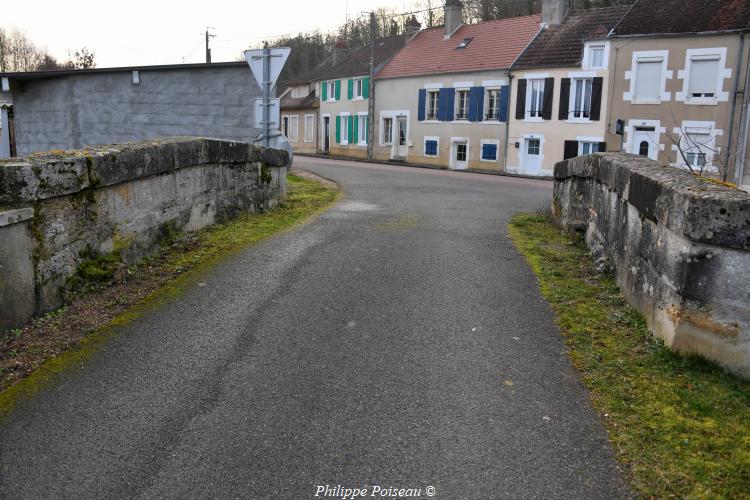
(680, 75)
(70, 109)
(560, 89)
(299, 116)
(443, 99)
(342, 92)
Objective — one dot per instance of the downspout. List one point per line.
(732, 110)
(507, 123)
(744, 129)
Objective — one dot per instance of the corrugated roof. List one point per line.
(494, 45)
(563, 45)
(685, 16)
(357, 61)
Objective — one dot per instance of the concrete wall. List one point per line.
(60, 210)
(552, 133)
(4, 134)
(74, 111)
(673, 113)
(398, 97)
(679, 245)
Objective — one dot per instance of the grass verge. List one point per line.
(680, 425)
(29, 356)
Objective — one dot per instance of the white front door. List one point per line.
(402, 146)
(460, 155)
(532, 156)
(644, 142)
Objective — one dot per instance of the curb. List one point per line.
(430, 167)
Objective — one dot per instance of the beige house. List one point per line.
(678, 69)
(299, 117)
(443, 99)
(560, 88)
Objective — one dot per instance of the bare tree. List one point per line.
(82, 58)
(699, 152)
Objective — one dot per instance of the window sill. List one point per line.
(431, 121)
(534, 120)
(579, 120)
(430, 156)
(646, 101)
(488, 161)
(700, 102)
(462, 120)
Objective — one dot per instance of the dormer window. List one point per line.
(465, 43)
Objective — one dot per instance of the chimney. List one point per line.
(412, 27)
(554, 12)
(340, 51)
(453, 11)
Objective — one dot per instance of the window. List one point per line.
(461, 151)
(493, 104)
(331, 91)
(387, 130)
(359, 88)
(432, 105)
(462, 105)
(643, 148)
(581, 97)
(431, 146)
(648, 81)
(697, 146)
(534, 145)
(345, 129)
(596, 55)
(309, 128)
(704, 72)
(587, 148)
(285, 126)
(465, 42)
(362, 130)
(489, 151)
(535, 95)
(293, 128)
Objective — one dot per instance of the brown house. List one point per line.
(680, 70)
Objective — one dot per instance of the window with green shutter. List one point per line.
(338, 90)
(324, 91)
(355, 129)
(366, 92)
(351, 128)
(350, 89)
(338, 130)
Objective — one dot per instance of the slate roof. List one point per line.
(357, 62)
(649, 17)
(563, 45)
(494, 45)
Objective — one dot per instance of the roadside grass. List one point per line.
(680, 425)
(31, 355)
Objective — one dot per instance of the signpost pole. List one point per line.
(266, 95)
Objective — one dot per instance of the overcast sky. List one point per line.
(142, 32)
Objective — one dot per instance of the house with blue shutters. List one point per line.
(443, 99)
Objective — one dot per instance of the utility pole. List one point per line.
(208, 49)
(371, 100)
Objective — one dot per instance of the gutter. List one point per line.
(685, 34)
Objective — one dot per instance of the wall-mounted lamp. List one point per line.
(5, 84)
(136, 77)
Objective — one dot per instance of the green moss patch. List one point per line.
(32, 355)
(680, 425)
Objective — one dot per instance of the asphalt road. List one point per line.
(397, 340)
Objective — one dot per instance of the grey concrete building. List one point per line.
(76, 108)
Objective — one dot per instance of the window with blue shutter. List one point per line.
(422, 98)
(447, 100)
(476, 104)
(430, 147)
(489, 152)
(504, 96)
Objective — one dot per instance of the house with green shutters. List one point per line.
(344, 91)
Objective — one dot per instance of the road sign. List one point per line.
(273, 113)
(266, 65)
(278, 58)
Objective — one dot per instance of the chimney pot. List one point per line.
(453, 13)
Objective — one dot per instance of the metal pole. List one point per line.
(371, 100)
(266, 95)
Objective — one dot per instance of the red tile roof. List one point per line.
(494, 45)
